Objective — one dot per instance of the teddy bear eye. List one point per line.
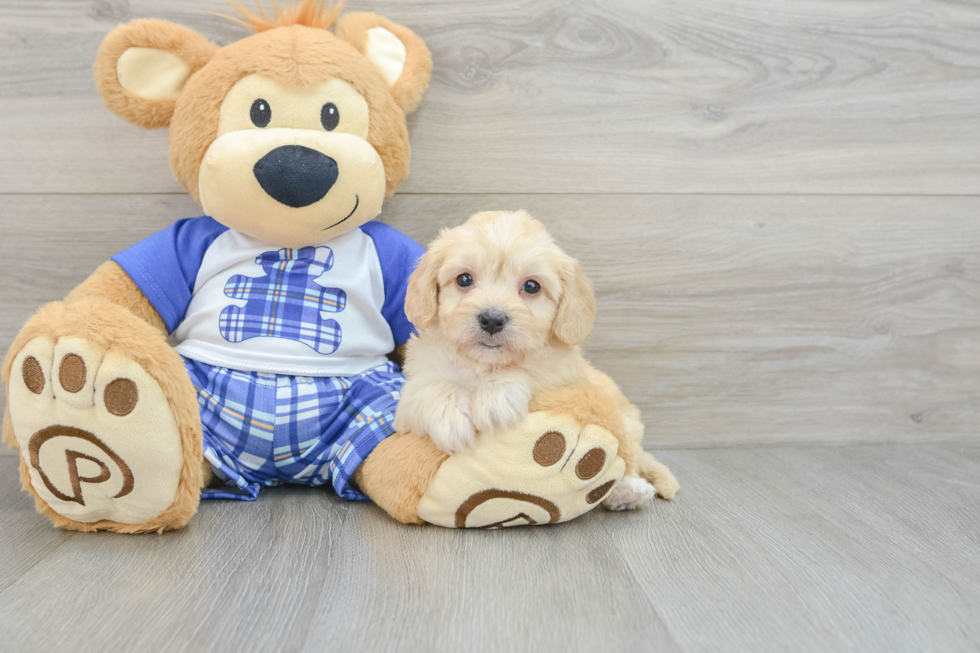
(329, 116)
(531, 287)
(464, 280)
(261, 113)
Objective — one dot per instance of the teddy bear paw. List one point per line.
(95, 430)
(547, 469)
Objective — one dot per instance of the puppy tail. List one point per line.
(658, 475)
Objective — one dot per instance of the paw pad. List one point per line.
(549, 448)
(590, 464)
(595, 496)
(33, 375)
(71, 374)
(120, 397)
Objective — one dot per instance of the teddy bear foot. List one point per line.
(100, 445)
(546, 470)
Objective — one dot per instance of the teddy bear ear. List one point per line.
(396, 51)
(142, 67)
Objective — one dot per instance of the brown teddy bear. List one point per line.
(249, 347)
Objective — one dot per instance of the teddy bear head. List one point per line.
(293, 135)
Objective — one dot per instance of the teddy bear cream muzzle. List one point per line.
(291, 187)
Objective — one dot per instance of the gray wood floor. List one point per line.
(800, 548)
(779, 206)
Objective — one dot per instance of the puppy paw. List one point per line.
(629, 494)
(451, 427)
(500, 405)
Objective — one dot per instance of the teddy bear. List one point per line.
(257, 345)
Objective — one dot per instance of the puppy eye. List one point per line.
(261, 113)
(531, 287)
(329, 116)
(464, 280)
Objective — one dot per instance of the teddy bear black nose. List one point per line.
(492, 321)
(295, 175)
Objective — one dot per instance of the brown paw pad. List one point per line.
(596, 495)
(590, 464)
(549, 449)
(33, 375)
(72, 373)
(120, 397)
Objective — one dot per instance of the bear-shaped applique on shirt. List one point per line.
(287, 302)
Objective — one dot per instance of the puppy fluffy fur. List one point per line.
(501, 310)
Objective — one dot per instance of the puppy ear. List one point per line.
(422, 296)
(142, 67)
(576, 308)
(396, 51)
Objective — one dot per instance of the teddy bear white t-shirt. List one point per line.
(230, 300)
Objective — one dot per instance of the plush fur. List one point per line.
(463, 380)
(109, 282)
(408, 90)
(188, 45)
(311, 13)
(353, 28)
(398, 472)
(9, 438)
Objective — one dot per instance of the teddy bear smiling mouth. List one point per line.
(357, 201)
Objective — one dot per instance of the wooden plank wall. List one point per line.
(778, 203)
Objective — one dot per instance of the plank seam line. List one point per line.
(548, 194)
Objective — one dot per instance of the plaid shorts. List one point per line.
(270, 429)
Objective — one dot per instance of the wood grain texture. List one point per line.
(727, 319)
(862, 548)
(598, 96)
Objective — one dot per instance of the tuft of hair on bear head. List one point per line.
(309, 13)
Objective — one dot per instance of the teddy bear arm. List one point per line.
(110, 282)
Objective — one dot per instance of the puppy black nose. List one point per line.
(492, 321)
(295, 175)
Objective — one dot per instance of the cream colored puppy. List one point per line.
(501, 310)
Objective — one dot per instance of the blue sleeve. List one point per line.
(165, 265)
(399, 256)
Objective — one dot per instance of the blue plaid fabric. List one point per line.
(286, 303)
(269, 429)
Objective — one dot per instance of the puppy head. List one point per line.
(499, 288)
